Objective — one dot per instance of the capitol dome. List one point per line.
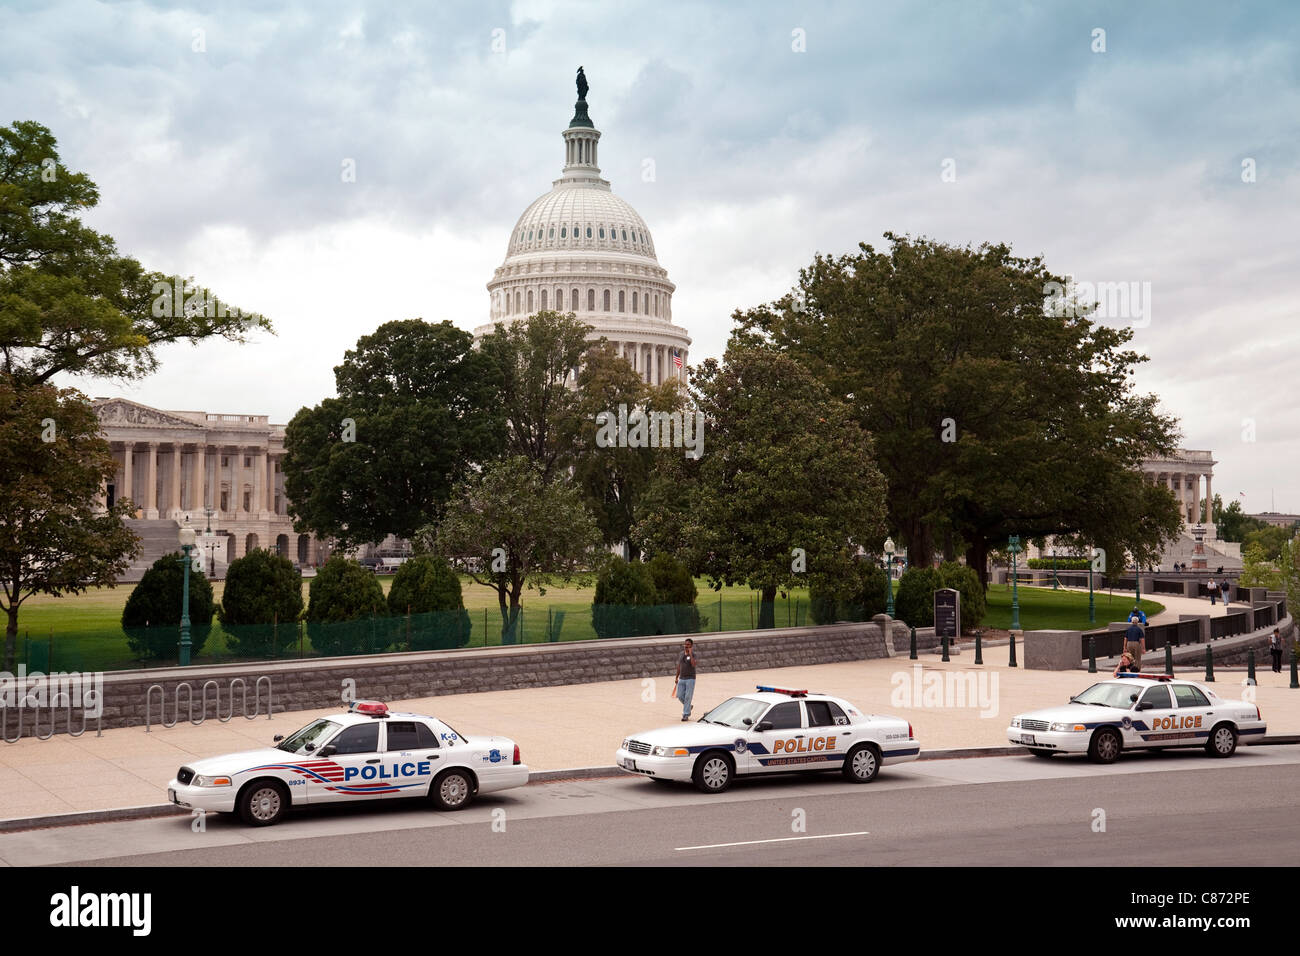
(581, 249)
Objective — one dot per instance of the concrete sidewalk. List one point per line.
(578, 725)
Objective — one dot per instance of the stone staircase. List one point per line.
(1183, 550)
(156, 539)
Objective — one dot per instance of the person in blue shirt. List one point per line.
(1135, 639)
(1137, 614)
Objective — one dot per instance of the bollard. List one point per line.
(1209, 664)
(945, 657)
(979, 648)
(912, 655)
(1092, 654)
(1013, 650)
(1169, 659)
(1295, 684)
(1250, 665)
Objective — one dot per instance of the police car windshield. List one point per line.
(1109, 695)
(311, 734)
(732, 713)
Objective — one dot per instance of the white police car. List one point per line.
(1138, 712)
(770, 731)
(367, 753)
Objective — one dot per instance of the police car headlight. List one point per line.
(670, 752)
(1015, 721)
(626, 741)
(1067, 728)
(211, 781)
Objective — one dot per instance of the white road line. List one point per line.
(820, 836)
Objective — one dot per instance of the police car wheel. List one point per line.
(862, 764)
(452, 790)
(1222, 742)
(1105, 746)
(713, 772)
(263, 803)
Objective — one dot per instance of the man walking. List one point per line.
(1224, 588)
(1275, 650)
(1135, 640)
(684, 680)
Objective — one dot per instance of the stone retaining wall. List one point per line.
(321, 682)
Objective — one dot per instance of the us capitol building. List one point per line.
(579, 248)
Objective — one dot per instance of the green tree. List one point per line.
(756, 517)
(1271, 540)
(417, 407)
(625, 597)
(613, 477)
(54, 537)
(69, 301)
(1232, 523)
(993, 411)
(536, 361)
(427, 585)
(509, 527)
(341, 592)
(152, 615)
(260, 603)
(858, 594)
(676, 593)
(914, 602)
(1289, 572)
(1257, 571)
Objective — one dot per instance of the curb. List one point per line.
(83, 818)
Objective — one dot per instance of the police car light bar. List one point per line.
(1147, 676)
(782, 690)
(371, 708)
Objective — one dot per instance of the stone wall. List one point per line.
(309, 684)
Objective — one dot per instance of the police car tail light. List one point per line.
(372, 708)
(1258, 716)
(910, 735)
(517, 760)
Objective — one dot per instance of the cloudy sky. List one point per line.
(1148, 143)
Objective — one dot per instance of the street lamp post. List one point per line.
(889, 574)
(1056, 584)
(1092, 603)
(1013, 545)
(187, 545)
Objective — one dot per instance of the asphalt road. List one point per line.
(1176, 808)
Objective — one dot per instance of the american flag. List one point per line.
(677, 360)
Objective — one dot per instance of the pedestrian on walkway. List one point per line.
(1275, 649)
(684, 679)
(1135, 642)
(1213, 588)
(1224, 588)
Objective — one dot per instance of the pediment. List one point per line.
(120, 411)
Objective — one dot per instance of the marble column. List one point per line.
(128, 474)
(174, 504)
(198, 478)
(1209, 498)
(151, 485)
(269, 501)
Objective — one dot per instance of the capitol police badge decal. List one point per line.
(739, 745)
(1127, 723)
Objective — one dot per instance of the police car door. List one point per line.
(348, 766)
(780, 739)
(1155, 709)
(411, 756)
(828, 731)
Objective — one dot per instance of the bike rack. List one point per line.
(198, 719)
(36, 720)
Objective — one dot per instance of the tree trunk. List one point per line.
(949, 548)
(977, 557)
(506, 623)
(11, 639)
(767, 609)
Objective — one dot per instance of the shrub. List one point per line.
(343, 591)
(966, 581)
(427, 585)
(914, 602)
(857, 598)
(675, 593)
(261, 603)
(152, 616)
(621, 586)
(1062, 564)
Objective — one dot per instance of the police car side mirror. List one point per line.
(765, 725)
(328, 750)
(1146, 705)
(277, 738)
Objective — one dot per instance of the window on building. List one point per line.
(589, 232)
(225, 501)
(543, 298)
(530, 300)
(573, 299)
(551, 234)
(248, 462)
(519, 301)
(625, 235)
(656, 304)
(634, 301)
(602, 232)
(591, 300)
(248, 501)
(606, 300)
(620, 301)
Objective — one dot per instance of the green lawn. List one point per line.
(1047, 609)
(82, 632)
